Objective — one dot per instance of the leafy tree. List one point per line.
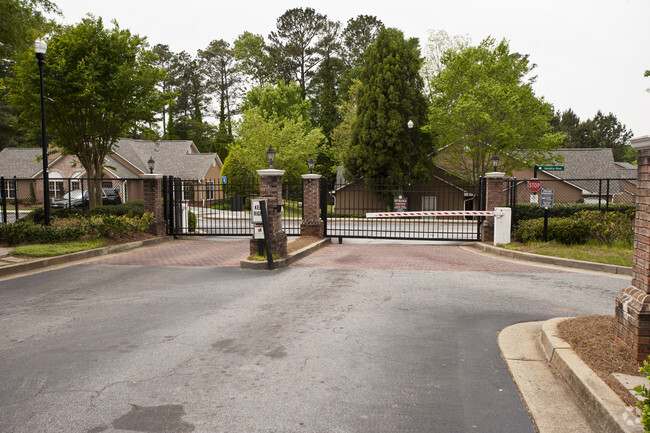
(603, 131)
(357, 36)
(21, 23)
(295, 44)
(390, 95)
(483, 105)
(438, 43)
(252, 55)
(223, 78)
(97, 93)
(280, 101)
(163, 61)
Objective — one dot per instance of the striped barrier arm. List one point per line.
(428, 213)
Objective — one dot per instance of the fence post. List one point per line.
(153, 203)
(312, 224)
(633, 304)
(495, 196)
(271, 190)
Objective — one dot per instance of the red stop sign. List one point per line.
(534, 185)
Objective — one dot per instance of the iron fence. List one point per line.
(352, 201)
(20, 196)
(212, 208)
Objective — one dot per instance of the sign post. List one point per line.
(259, 217)
(547, 201)
(400, 203)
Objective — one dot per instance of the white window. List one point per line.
(209, 190)
(187, 191)
(10, 188)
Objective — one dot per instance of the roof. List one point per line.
(179, 158)
(20, 161)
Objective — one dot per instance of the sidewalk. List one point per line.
(562, 394)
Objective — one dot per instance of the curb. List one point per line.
(80, 255)
(603, 405)
(548, 260)
(286, 261)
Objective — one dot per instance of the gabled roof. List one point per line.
(20, 161)
(178, 158)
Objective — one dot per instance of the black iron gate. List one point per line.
(213, 208)
(347, 206)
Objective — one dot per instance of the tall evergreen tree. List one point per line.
(390, 95)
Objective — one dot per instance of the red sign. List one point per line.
(534, 185)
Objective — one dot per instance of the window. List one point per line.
(187, 191)
(56, 189)
(10, 188)
(209, 190)
(107, 184)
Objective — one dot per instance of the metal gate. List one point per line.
(348, 204)
(214, 208)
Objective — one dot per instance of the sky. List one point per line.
(590, 54)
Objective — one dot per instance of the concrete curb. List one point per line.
(286, 261)
(78, 256)
(548, 260)
(603, 405)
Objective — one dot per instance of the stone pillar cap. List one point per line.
(642, 142)
(270, 172)
(312, 176)
(152, 176)
(495, 175)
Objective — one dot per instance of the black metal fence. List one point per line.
(212, 208)
(20, 196)
(351, 202)
(599, 193)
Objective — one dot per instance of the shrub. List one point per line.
(26, 232)
(563, 230)
(191, 221)
(528, 211)
(643, 392)
(609, 227)
(130, 208)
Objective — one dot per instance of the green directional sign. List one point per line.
(551, 167)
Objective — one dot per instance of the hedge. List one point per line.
(530, 211)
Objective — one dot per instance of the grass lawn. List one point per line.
(49, 250)
(620, 255)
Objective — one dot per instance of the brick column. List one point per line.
(271, 190)
(633, 304)
(312, 224)
(495, 196)
(153, 202)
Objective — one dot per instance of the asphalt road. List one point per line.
(103, 348)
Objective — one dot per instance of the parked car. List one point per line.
(78, 199)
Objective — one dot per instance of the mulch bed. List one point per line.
(593, 339)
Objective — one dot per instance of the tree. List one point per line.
(222, 78)
(280, 101)
(252, 55)
(483, 105)
(101, 83)
(357, 36)
(295, 43)
(390, 95)
(603, 131)
(163, 61)
(23, 21)
(438, 43)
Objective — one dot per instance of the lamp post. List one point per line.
(151, 163)
(495, 162)
(410, 126)
(40, 47)
(311, 164)
(270, 156)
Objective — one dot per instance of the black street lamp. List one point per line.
(311, 164)
(410, 126)
(495, 162)
(151, 163)
(270, 156)
(40, 47)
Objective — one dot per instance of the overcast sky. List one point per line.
(590, 54)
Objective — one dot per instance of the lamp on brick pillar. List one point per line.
(311, 164)
(270, 156)
(495, 163)
(312, 224)
(633, 304)
(495, 196)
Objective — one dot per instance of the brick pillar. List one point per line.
(153, 202)
(495, 196)
(312, 224)
(271, 190)
(633, 304)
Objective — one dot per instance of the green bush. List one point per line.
(191, 221)
(609, 227)
(130, 208)
(73, 228)
(529, 211)
(566, 231)
(643, 392)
